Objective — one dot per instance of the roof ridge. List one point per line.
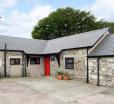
(22, 38)
(79, 34)
(55, 38)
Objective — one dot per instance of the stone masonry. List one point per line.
(79, 71)
(106, 71)
(11, 70)
(80, 66)
(36, 70)
(1, 63)
(19, 70)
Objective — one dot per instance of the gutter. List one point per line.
(101, 56)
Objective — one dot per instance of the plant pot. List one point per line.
(65, 77)
(59, 77)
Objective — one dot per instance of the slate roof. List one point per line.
(34, 46)
(105, 48)
(29, 46)
(85, 39)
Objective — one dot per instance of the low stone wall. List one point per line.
(106, 71)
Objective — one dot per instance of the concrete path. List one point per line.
(52, 91)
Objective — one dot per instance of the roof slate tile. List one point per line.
(35, 46)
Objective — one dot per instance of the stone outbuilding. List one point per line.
(86, 56)
(101, 62)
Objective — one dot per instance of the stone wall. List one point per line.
(106, 71)
(36, 70)
(1, 63)
(11, 70)
(92, 70)
(18, 70)
(14, 70)
(80, 66)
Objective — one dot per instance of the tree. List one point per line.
(64, 22)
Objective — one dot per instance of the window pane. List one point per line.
(34, 60)
(14, 61)
(17, 61)
(37, 61)
(69, 60)
(69, 63)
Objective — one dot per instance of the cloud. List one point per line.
(6, 4)
(21, 24)
(32, 1)
(103, 9)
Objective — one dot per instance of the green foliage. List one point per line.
(111, 25)
(60, 72)
(66, 21)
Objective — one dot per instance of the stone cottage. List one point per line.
(86, 56)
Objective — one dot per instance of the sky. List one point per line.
(20, 16)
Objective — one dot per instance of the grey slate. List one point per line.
(85, 39)
(29, 46)
(105, 48)
(34, 46)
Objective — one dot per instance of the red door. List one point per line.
(47, 65)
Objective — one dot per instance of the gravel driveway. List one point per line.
(52, 91)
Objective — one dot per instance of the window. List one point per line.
(15, 61)
(69, 63)
(34, 60)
